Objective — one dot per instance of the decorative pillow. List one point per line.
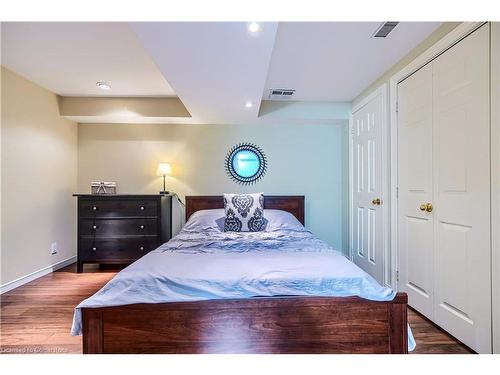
(222, 220)
(244, 212)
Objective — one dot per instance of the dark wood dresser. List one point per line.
(121, 228)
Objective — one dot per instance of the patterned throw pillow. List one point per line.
(244, 212)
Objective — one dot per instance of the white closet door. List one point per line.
(444, 190)
(368, 130)
(416, 226)
(462, 297)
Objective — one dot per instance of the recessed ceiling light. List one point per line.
(249, 104)
(254, 27)
(103, 85)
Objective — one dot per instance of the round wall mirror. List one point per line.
(246, 163)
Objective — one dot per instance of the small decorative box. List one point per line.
(103, 187)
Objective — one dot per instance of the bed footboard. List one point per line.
(257, 325)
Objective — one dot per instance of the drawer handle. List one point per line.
(142, 208)
(94, 248)
(94, 226)
(141, 248)
(94, 208)
(142, 227)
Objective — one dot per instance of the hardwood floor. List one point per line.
(431, 339)
(36, 318)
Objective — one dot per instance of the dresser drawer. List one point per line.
(118, 227)
(116, 249)
(118, 208)
(121, 228)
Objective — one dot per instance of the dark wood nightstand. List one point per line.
(119, 228)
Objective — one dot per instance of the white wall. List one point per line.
(495, 147)
(495, 181)
(303, 159)
(38, 176)
(384, 79)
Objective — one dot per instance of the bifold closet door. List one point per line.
(444, 190)
(461, 137)
(416, 227)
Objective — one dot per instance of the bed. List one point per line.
(209, 291)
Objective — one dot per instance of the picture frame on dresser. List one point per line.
(121, 228)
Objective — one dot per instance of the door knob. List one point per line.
(377, 202)
(426, 207)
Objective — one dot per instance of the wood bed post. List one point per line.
(93, 340)
(398, 324)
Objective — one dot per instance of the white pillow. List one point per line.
(244, 212)
(279, 219)
(205, 219)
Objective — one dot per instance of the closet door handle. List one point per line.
(426, 207)
(377, 202)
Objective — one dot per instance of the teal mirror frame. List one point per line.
(245, 163)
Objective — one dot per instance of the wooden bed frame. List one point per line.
(255, 325)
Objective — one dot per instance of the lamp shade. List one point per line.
(164, 169)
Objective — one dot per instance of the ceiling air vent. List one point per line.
(280, 94)
(385, 29)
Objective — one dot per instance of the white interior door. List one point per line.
(416, 227)
(444, 190)
(367, 189)
(462, 190)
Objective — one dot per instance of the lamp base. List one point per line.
(164, 192)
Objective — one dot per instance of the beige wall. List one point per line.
(109, 106)
(303, 159)
(38, 176)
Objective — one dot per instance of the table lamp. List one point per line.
(163, 170)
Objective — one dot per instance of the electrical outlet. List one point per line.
(53, 248)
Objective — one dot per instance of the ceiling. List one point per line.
(335, 61)
(215, 68)
(69, 58)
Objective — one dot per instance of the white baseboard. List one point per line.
(35, 275)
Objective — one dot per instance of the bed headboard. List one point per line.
(290, 203)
